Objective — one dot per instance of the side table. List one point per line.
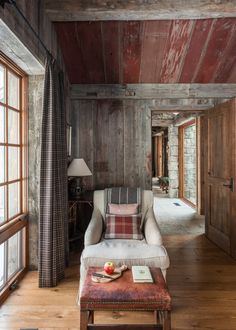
(79, 215)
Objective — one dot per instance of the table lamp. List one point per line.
(76, 171)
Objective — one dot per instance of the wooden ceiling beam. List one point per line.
(203, 92)
(96, 10)
(162, 123)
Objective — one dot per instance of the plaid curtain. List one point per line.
(53, 233)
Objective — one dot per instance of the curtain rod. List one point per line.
(13, 2)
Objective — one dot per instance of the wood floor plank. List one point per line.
(201, 280)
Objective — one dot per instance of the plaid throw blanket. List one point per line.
(122, 195)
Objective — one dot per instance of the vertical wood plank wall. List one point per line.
(114, 138)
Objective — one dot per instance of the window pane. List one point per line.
(13, 254)
(2, 163)
(2, 204)
(13, 163)
(13, 127)
(2, 124)
(13, 199)
(13, 90)
(2, 265)
(2, 84)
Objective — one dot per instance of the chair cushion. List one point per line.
(122, 195)
(129, 252)
(123, 226)
(124, 209)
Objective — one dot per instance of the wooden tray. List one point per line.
(117, 273)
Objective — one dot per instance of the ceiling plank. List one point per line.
(228, 61)
(72, 52)
(96, 10)
(178, 43)
(110, 39)
(90, 41)
(198, 39)
(162, 123)
(152, 91)
(216, 47)
(155, 36)
(131, 51)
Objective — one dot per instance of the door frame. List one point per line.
(181, 162)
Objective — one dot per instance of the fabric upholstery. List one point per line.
(99, 197)
(123, 226)
(128, 252)
(122, 195)
(53, 238)
(148, 251)
(151, 230)
(124, 209)
(95, 228)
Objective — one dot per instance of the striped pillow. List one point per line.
(123, 226)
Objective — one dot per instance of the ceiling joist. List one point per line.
(96, 10)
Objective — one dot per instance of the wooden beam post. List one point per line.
(96, 10)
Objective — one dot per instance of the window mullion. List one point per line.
(6, 140)
(5, 261)
(21, 148)
(20, 254)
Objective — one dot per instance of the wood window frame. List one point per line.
(18, 222)
(181, 161)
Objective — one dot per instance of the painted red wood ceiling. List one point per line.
(179, 51)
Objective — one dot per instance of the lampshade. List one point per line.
(78, 167)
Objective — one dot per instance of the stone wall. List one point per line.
(190, 163)
(35, 121)
(173, 169)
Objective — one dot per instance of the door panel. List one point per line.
(220, 199)
(219, 143)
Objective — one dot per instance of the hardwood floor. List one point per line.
(202, 282)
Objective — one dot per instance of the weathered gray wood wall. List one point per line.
(114, 138)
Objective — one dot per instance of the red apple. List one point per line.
(109, 267)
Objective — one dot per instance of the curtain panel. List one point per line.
(53, 233)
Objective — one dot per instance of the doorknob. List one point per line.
(230, 185)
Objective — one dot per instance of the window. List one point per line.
(13, 174)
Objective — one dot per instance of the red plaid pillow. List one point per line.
(123, 226)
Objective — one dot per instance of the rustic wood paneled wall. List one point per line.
(114, 138)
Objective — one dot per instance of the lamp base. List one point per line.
(75, 188)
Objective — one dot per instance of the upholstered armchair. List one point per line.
(147, 251)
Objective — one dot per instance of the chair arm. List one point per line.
(95, 228)
(151, 230)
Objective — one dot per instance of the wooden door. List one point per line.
(220, 176)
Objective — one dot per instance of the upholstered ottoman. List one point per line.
(125, 295)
